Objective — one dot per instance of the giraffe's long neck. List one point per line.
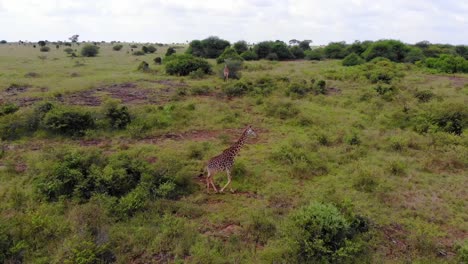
(239, 143)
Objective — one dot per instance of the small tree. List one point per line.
(74, 38)
(41, 43)
(249, 55)
(89, 50)
(170, 51)
(117, 47)
(352, 59)
(297, 52)
(157, 60)
(3, 41)
(229, 53)
(44, 49)
(184, 64)
(305, 44)
(240, 46)
(151, 49)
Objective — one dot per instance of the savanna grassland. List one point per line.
(101, 157)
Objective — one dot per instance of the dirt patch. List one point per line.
(455, 81)
(32, 75)
(332, 91)
(224, 231)
(129, 93)
(14, 88)
(168, 83)
(396, 237)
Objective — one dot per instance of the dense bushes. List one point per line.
(352, 60)
(238, 88)
(393, 50)
(447, 63)
(124, 178)
(321, 233)
(8, 108)
(117, 47)
(228, 54)
(89, 50)
(184, 64)
(170, 51)
(210, 47)
(118, 115)
(68, 122)
(249, 55)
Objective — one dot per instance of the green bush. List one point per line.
(393, 50)
(44, 49)
(198, 74)
(297, 52)
(335, 50)
(210, 47)
(170, 51)
(447, 63)
(150, 49)
(138, 53)
(89, 50)
(320, 233)
(157, 60)
(262, 49)
(298, 88)
(320, 87)
(8, 108)
(184, 64)
(117, 47)
(240, 46)
(200, 90)
(282, 110)
(68, 122)
(238, 88)
(143, 66)
(381, 70)
(228, 54)
(281, 50)
(352, 60)
(272, 56)
(118, 115)
(249, 55)
(68, 50)
(424, 96)
(462, 251)
(414, 54)
(314, 54)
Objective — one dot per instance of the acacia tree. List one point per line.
(74, 38)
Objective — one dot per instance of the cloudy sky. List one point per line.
(439, 21)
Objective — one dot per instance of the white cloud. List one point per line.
(255, 20)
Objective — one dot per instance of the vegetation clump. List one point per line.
(184, 64)
(89, 50)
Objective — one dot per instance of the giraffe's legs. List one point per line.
(212, 184)
(208, 181)
(229, 181)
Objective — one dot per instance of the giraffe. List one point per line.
(226, 72)
(225, 160)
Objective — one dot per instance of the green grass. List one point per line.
(354, 148)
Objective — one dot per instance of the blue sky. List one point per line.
(170, 21)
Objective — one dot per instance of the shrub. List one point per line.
(260, 228)
(228, 54)
(198, 74)
(272, 56)
(281, 50)
(414, 54)
(234, 66)
(200, 90)
(8, 108)
(89, 50)
(381, 70)
(249, 55)
(393, 50)
(320, 87)
(157, 60)
(138, 53)
(170, 51)
(68, 50)
(238, 88)
(117, 47)
(424, 96)
(297, 52)
(263, 49)
(41, 43)
(282, 110)
(210, 47)
(352, 60)
(319, 233)
(68, 122)
(133, 46)
(462, 251)
(143, 66)
(298, 88)
(240, 46)
(118, 115)
(335, 50)
(447, 63)
(184, 64)
(3, 41)
(44, 49)
(315, 54)
(150, 49)
(451, 118)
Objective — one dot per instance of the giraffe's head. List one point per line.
(250, 131)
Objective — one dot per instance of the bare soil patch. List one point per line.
(455, 81)
(129, 93)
